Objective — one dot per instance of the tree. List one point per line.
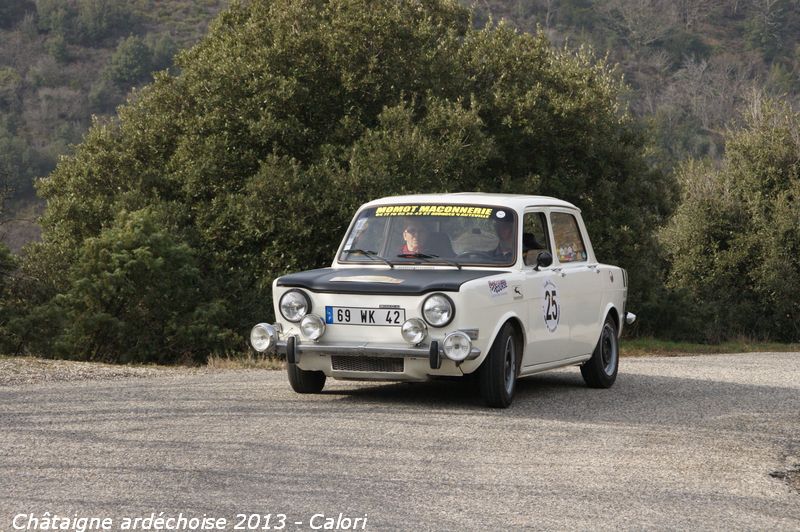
(8, 264)
(97, 19)
(290, 114)
(693, 12)
(636, 20)
(766, 29)
(734, 241)
(131, 62)
(162, 48)
(136, 295)
(56, 16)
(10, 84)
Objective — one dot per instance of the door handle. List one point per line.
(560, 271)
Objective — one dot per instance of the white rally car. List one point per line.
(447, 285)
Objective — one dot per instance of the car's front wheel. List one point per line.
(600, 371)
(303, 381)
(498, 373)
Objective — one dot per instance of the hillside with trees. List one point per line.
(692, 65)
(63, 61)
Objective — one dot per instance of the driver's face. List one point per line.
(412, 234)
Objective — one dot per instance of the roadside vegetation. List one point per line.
(246, 155)
(247, 360)
(637, 347)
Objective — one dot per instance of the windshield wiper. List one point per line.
(371, 254)
(427, 256)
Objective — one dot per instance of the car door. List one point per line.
(579, 279)
(548, 334)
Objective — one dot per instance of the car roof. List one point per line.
(514, 201)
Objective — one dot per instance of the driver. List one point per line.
(414, 236)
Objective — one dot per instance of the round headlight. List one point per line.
(457, 346)
(438, 310)
(414, 331)
(294, 305)
(312, 326)
(263, 337)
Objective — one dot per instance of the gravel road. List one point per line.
(691, 442)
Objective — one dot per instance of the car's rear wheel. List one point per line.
(303, 381)
(498, 373)
(600, 371)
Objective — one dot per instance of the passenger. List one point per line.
(505, 233)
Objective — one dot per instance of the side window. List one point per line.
(534, 236)
(569, 244)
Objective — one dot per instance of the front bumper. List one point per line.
(293, 348)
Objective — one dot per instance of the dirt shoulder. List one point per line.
(30, 370)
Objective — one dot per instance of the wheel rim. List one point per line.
(609, 351)
(509, 363)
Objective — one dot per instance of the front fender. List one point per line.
(470, 366)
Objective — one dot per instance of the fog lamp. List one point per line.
(312, 326)
(414, 331)
(263, 337)
(457, 346)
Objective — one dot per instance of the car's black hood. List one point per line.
(371, 281)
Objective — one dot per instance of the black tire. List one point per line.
(497, 375)
(305, 381)
(600, 371)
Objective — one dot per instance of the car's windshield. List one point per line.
(468, 235)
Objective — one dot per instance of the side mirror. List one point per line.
(543, 260)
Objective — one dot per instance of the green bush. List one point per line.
(57, 48)
(104, 96)
(734, 241)
(98, 19)
(18, 162)
(162, 48)
(131, 62)
(10, 85)
(7, 265)
(136, 295)
(8, 311)
(55, 16)
(769, 28)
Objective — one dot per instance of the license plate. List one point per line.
(393, 317)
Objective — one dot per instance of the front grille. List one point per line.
(354, 363)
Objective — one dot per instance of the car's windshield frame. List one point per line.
(394, 214)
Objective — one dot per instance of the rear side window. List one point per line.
(568, 240)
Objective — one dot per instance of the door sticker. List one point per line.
(551, 308)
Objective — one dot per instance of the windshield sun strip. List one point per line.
(345, 254)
